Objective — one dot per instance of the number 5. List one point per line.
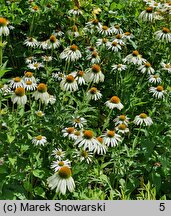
(162, 206)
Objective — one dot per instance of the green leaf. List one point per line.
(38, 173)
(10, 138)
(40, 192)
(3, 70)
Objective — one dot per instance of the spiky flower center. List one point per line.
(93, 90)
(70, 79)
(165, 30)
(74, 28)
(39, 113)
(122, 117)
(167, 66)
(20, 91)
(76, 8)
(61, 163)
(30, 39)
(39, 137)
(115, 100)
(149, 9)
(118, 36)
(28, 74)
(35, 8)
(135, 53)
(91, 49)
(155, 76)
(159, 88)
(88, 134)
(59, 153)
(64, 172)
(17, 79)
(105, 40)
(100, 139)
(117, 26)
(77, 120)
(84, 153)
(122, 127)
(94, 54)
(70, 130)
(95, 21)
(147, 64)
(53, 39)
(105, 28)
(3, 21)
(42, 88)
(77, 133)
(127, 33)
(143, 115)
(80, 73)
(111, 134)
(96, 68)
(114, 43)
(29, 82)
(73, 47)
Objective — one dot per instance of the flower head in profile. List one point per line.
(28, 76)
(94, 74)
(79, 77)
(134, 58)
(71, 53)
(119, 67)
(163, 35)
(114, 102)
(75, 11)
(62, 180)
(69, 83)
(56, 165)
(102, 42)
(41, 93)
(143, 118)
(4, 30)
(146, 68)
(31, 42)
(148, 14)
(58, 153)
(114, 46)
(104, 30)
(87, 140)
(111, 138)
(84, 155)
(154, 78)
(78, 122)
(121, 119)
(69, 132)
(94, 94)
(122, 128)
(16, 82)
(53, 42)
(158, 92)
(166, 67)
(116, 29)
(39, 140)
(19, 96)
(100, 149)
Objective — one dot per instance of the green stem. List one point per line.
(1, 50)
(136, 139)
(106, 121)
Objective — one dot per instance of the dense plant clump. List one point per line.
(85, 99)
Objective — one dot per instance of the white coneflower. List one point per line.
(101, 148)
(51, 99)
(53, 42)
(4, 30)
(94, 94)
(34, 9)
(92, 26)
(158, 92)
(79, 77)
(75, 11)
(39, 140)
(69, 132)
(30, 59)
(146, 68)
(39, 113)
(62, 180)
(143, 119)
(114, 102)
(29, 85)
(147, 15)
(58, 153)
(110, 138)
(163, 35)
(166, 67)
(122, 128)
(121, 119)
(58, 75)
(128, 35)
(47, 58)
(114, 46)
(94, 74)
(154, 79)
(71, 53)
(119, 39)
(56, 165)
(102, 42)
(116, 29)
(5, 89)
(90, 49)
(69, 83)
(77, 134)
(19, 96)
(31, 42)
(104, 30)
(84, 155)
(16, 82)
(44, 45)
(134, 58)
(93, 57)
(28, 76)
(73, 32)
(35, 65)
(78, 121)
(87, 140)
(119, 67)
(41, 93)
